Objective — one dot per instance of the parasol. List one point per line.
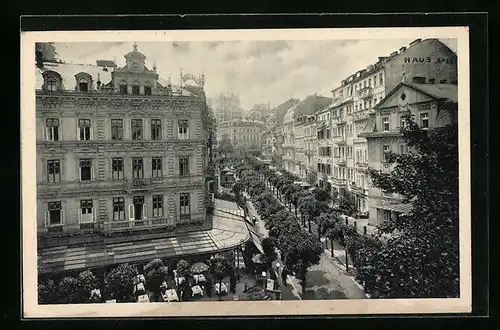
(198, 268)
(258, 258)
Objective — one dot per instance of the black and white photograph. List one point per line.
(245, 173)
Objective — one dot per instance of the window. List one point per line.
(83, 86)
(328, 169)
(328, 133)
(123, 87)
(51, 84)
(52, 129)
(424, 120)
(403, 149)
(403, 122)
(157, 206)
(53, 171)
(349, 152)
(54, 215)
(184, 205)
(135, 89)
(117, 168)
(385, 151)
(136, 129)
(387, 215)
(385, 123)
(374, 81)
(183, 126)
(118, 209)
(84, 130)
(116, 129)
(157, 171)
(86, 214)
(155, 129)
(184, 166)
(86, 170)
(381, 80)
(147, 90)
(432, 81)
(137, 168)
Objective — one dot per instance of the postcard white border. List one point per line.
(393, 306)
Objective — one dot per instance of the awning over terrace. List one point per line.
(228, 232)
(398, 208)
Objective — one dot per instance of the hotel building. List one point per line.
(120, 151)
(426, 61)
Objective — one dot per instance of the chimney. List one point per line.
(394, 53)
(402, 49)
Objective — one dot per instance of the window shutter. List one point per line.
(62, 217)
(145, 211)
(80, 215)
(80, 173)
(131, 212)
(92, 172)
(44, 132)
(46, 218)
(60, 130)
(77, 132)
(93, 215)
(91, 129)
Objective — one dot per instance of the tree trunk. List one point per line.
(309, 223)
(295, 207)
(319, 233)
(331, 246)
(220, 289)
(346, 260)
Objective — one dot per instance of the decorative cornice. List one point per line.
(48, 100)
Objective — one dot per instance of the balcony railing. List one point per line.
(365, 92)
(139, 184)
(338, 182)
(358, 190)
(144, 224)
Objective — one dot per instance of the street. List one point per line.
(325, 280)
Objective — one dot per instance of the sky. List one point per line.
(259, 71)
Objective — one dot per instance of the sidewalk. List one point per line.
(289, 291)
(326, 280)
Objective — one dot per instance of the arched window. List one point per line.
(51, 84)
(147, 88)
(123, 87)
(135, 88)
(83, 85)
(52, 81)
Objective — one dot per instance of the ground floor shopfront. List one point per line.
(229, 231)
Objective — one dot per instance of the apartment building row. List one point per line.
(361, 123)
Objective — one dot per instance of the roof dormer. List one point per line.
(52, 81)
(83, 82)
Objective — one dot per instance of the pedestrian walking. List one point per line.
(284, 275)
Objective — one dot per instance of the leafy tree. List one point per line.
(326, 220)
(426, 177)
(347, 204)
(225, 147)
(289, 192)
(302, 251)
(48, 292)
(119, 282)
(297, 195)
(45, 52)
(309, 208)
(219, 268)
(155, 272)
(69, 291)
(87, 282)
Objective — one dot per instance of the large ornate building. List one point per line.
(120, 151)
(244, 134)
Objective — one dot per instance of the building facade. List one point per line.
(227, 107)
(432, 105)
(117, 151)
(244, 134)
(423, 61)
